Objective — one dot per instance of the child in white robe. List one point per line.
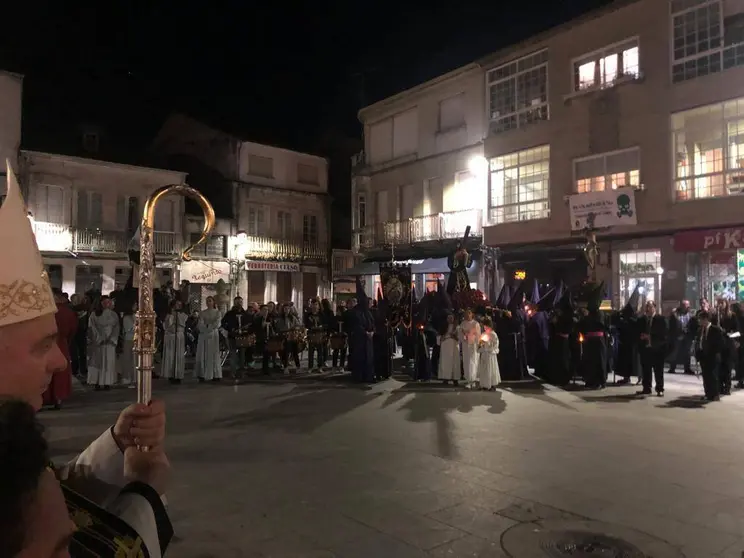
(489, 375)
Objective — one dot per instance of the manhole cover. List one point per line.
(566, 538)
(582, 544)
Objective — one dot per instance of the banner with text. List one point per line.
(597, 210)
(396, 288)
(207, 273)
(288, 267)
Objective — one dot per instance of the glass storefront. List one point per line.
(711, 275)
(642, 269)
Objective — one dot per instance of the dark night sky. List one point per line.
(283, 73)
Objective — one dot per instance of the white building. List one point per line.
(422, 178)
(86, 211)
(279, 240)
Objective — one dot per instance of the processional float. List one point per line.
(144, 332)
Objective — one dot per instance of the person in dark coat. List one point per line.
(562, 325)
(628, 363)
(382, 342)
(709, 346)
(538, 333)
(515, 342)
(593, 333)
(653, 344)
(362, 355)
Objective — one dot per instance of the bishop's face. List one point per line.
(29, 355)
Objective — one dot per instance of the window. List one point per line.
(256, 222)
(518, 92)
(608, 171)
(640, 269)
(520, 186)
(310, 229)
(261, 166)
(452, 113)
(394, 137)
(165, 213)
(307, 174)
(709, 151)
(606, 67)
(50, 204)
(88, 278)
(89, 209)
(361, 211)
(284, 223)
(707, 36)
(214, 247)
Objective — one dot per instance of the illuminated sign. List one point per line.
(520, 275)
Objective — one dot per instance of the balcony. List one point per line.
(286, 248)
(427, 228)
(52, 237)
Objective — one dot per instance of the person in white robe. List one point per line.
(103, 334)
(489, 375)
(127, 361)
(470, 332)
(29, 357)
(208, 365)
(449, 353)
(174, 347)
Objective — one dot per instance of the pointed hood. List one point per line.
(631, 307)
(380, 296)
(547, 302)
(414, 300)
(502, 301)
(558, 293)
(516, 300)
(535, 293)
(25, 291)
(565, 303)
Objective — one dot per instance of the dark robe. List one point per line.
(594, 349)
(362, 354)
(383, 347)
(538, 338)
(422, 362)
(60, 387)
(559, 349)
(628, 361)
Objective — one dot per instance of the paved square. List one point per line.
(314, 470)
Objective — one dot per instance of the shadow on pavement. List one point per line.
(436, 407)
(616, 398)
(535, 389)
(685, 402)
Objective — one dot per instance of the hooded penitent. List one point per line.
(25, 292)
(516, 302)
(595, 297)
(547, 301)
(504, 297)
(631, 307)
(535, 292)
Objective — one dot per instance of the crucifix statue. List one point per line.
(458, 264)
(591, 248)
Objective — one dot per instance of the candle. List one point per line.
(339, 327)
(484, 338)
(581, 337)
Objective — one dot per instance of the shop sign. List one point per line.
(709, 240)
(205, 272)
(740, 275)
(520, 275)
(597, 210)
(288, 267)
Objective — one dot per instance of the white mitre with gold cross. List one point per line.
(25, 292)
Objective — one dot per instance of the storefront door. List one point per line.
(283, 286)
(649, 288)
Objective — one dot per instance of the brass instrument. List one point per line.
(144, 329)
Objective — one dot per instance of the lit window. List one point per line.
(518, 92)
(606, 67)
(520, 186)
(608, 171)
(709, 151)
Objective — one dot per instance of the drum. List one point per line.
(296, 335)
(245, 340)
(275, 344)
(338, 341)
(317, 337)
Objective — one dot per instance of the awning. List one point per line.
(428, 265)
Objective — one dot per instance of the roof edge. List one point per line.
(97, 162)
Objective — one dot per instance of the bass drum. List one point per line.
(275, 344)
(338, 341)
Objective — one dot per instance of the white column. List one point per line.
(109, 272)
(68, 276)
(269, 286)
(297, 289)
(241, 288)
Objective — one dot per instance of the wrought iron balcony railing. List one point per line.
(52, 237)
(291, 248)
(441, 226)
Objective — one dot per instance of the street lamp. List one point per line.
(478, 165)
(241, 237)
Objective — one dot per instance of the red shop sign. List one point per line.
(710, 240)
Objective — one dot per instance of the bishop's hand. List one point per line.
(141, 425)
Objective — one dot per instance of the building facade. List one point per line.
(278, 246)
(85, 212)
(626, 122)
(421, 179)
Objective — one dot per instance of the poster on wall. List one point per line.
(204, 272)
(596, 210)
(395, 281)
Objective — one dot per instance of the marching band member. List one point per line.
(262, 328)
(29, 356)
(174, 350)
(208, 365)
(235, 323)
(286, 324)
(316, 326)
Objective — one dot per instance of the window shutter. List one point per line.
(82, 208)
(55, 205)
(121, 221)
(96, 209)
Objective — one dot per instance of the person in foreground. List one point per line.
(30, 356)
(37, 520)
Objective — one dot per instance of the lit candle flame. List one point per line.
(484, 338)
(581, 337)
